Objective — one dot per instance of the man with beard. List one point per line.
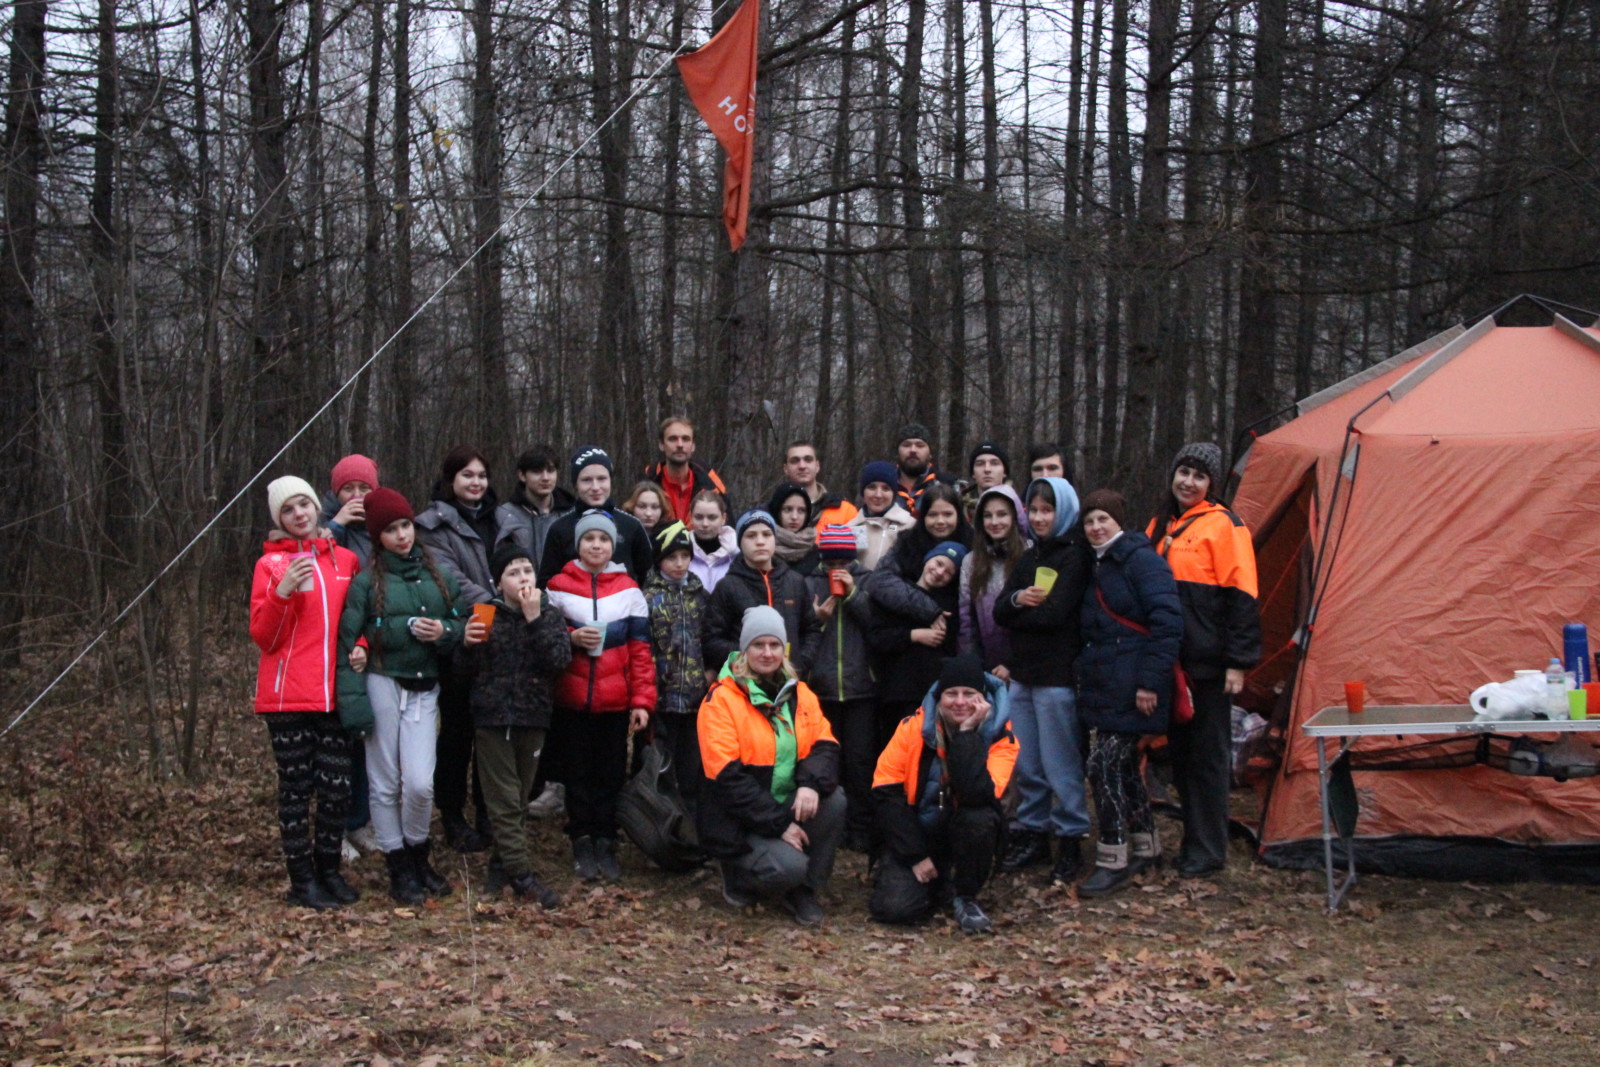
(677, 473)
(914, 458)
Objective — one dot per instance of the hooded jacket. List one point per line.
(458, 548)
(677, 617)
(701, 477)
(513, 673)
(298, 634)
(1214, 562)
(745, 587)
(925, 770)
(979, 632)
(906, 668)
(1046, 640)
(709, 567)
(393, 651)
(633, 550)
(843, 667)
(1117, 661)
(738, 746)
(876, 534)
(623, 676)
(354, 537)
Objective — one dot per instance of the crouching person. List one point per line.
(513, 665)
(936, 796)
(770, 808)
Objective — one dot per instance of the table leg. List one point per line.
(1336, 889)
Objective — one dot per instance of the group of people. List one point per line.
(937, 672)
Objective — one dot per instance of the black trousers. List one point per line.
(680, 736)
(313, 755)
(1202, 758)
(595, 747)
(963, 848)
(855, 727)
(453, 768)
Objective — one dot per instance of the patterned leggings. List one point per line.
(1119, 794)
(313, 754)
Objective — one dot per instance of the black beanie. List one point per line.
(962, 670)
(914, 431)
(504, 555)
(989, 448)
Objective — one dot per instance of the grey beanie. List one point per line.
(594, 520)
(1202, 455)
(761, 621)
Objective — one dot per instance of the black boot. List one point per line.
(304, 889)
(1026, 848)
(461, 836)
(605, 857)
(1112, 871)
(327, 868)
(1069, 859)
(495, 878)
(528, 885)
(433, 883)
(585, 863)
(403, 884)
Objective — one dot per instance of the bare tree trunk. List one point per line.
(1000, 368)
(838, 170)
(1122, 206)
(488, 269)
(919, 278)
(1258, 299)
(668, 386)
(371, 315)
(956, 213)
(116, 502)
(404, 392)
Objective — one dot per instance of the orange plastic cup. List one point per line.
(484, 613)
(1355, 697)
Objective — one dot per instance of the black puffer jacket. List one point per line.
(513, 673)
(745, 587)
(1046, 640)
(905, 668)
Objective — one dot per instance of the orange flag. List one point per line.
(721, 79)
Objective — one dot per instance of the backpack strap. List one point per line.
(1129, 623)
(1172, 535)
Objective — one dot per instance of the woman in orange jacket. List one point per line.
(936, 795)
(770, 809)
(1214, 562)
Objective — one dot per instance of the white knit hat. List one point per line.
(285, 489)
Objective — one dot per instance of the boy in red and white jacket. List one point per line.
(296, 595)
(605, 693)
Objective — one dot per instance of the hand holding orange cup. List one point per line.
(1355, 697)
(484, 613)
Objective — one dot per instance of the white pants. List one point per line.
(400, 757)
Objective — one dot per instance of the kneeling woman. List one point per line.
(770, 809)
(1132, 624)
(936, 795)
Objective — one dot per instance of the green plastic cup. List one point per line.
(1577, 704)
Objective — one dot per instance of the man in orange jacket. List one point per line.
(936, 797)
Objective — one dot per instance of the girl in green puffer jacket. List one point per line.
(410, 613)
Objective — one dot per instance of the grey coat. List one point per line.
(457, 547)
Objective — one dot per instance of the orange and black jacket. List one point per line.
(738, 744)
(926, 773)
(701, 477)
(1211, 557)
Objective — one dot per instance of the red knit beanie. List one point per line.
(385, 506)
(354, 468)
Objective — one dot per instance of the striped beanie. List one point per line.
(836, 542)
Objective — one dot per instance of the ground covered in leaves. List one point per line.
(144, 923)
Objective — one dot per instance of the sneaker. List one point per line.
(550, 803)
(363, 838)
(605, 854)
(1027, 848)
(970, 917)
(1069, 860)
(734, 890)
(802, 904)
(528, 885)
(585, 863)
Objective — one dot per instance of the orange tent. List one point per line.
(1425, 527)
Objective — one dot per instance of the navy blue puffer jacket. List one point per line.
(1117, 661)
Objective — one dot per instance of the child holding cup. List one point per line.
(606, 692)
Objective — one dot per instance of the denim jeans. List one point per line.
(1049, 768)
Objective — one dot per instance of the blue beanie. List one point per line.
(879, 470)
(954, 551)
(754, 515)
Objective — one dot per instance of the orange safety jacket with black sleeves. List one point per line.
(738, 746)
(1211, 556)
(926, 772)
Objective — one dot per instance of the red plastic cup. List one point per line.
(1355, 697)
(835, 585)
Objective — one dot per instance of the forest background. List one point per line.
(1119, 224)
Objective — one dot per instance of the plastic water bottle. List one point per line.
(1555, 689)
(1575, 651)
